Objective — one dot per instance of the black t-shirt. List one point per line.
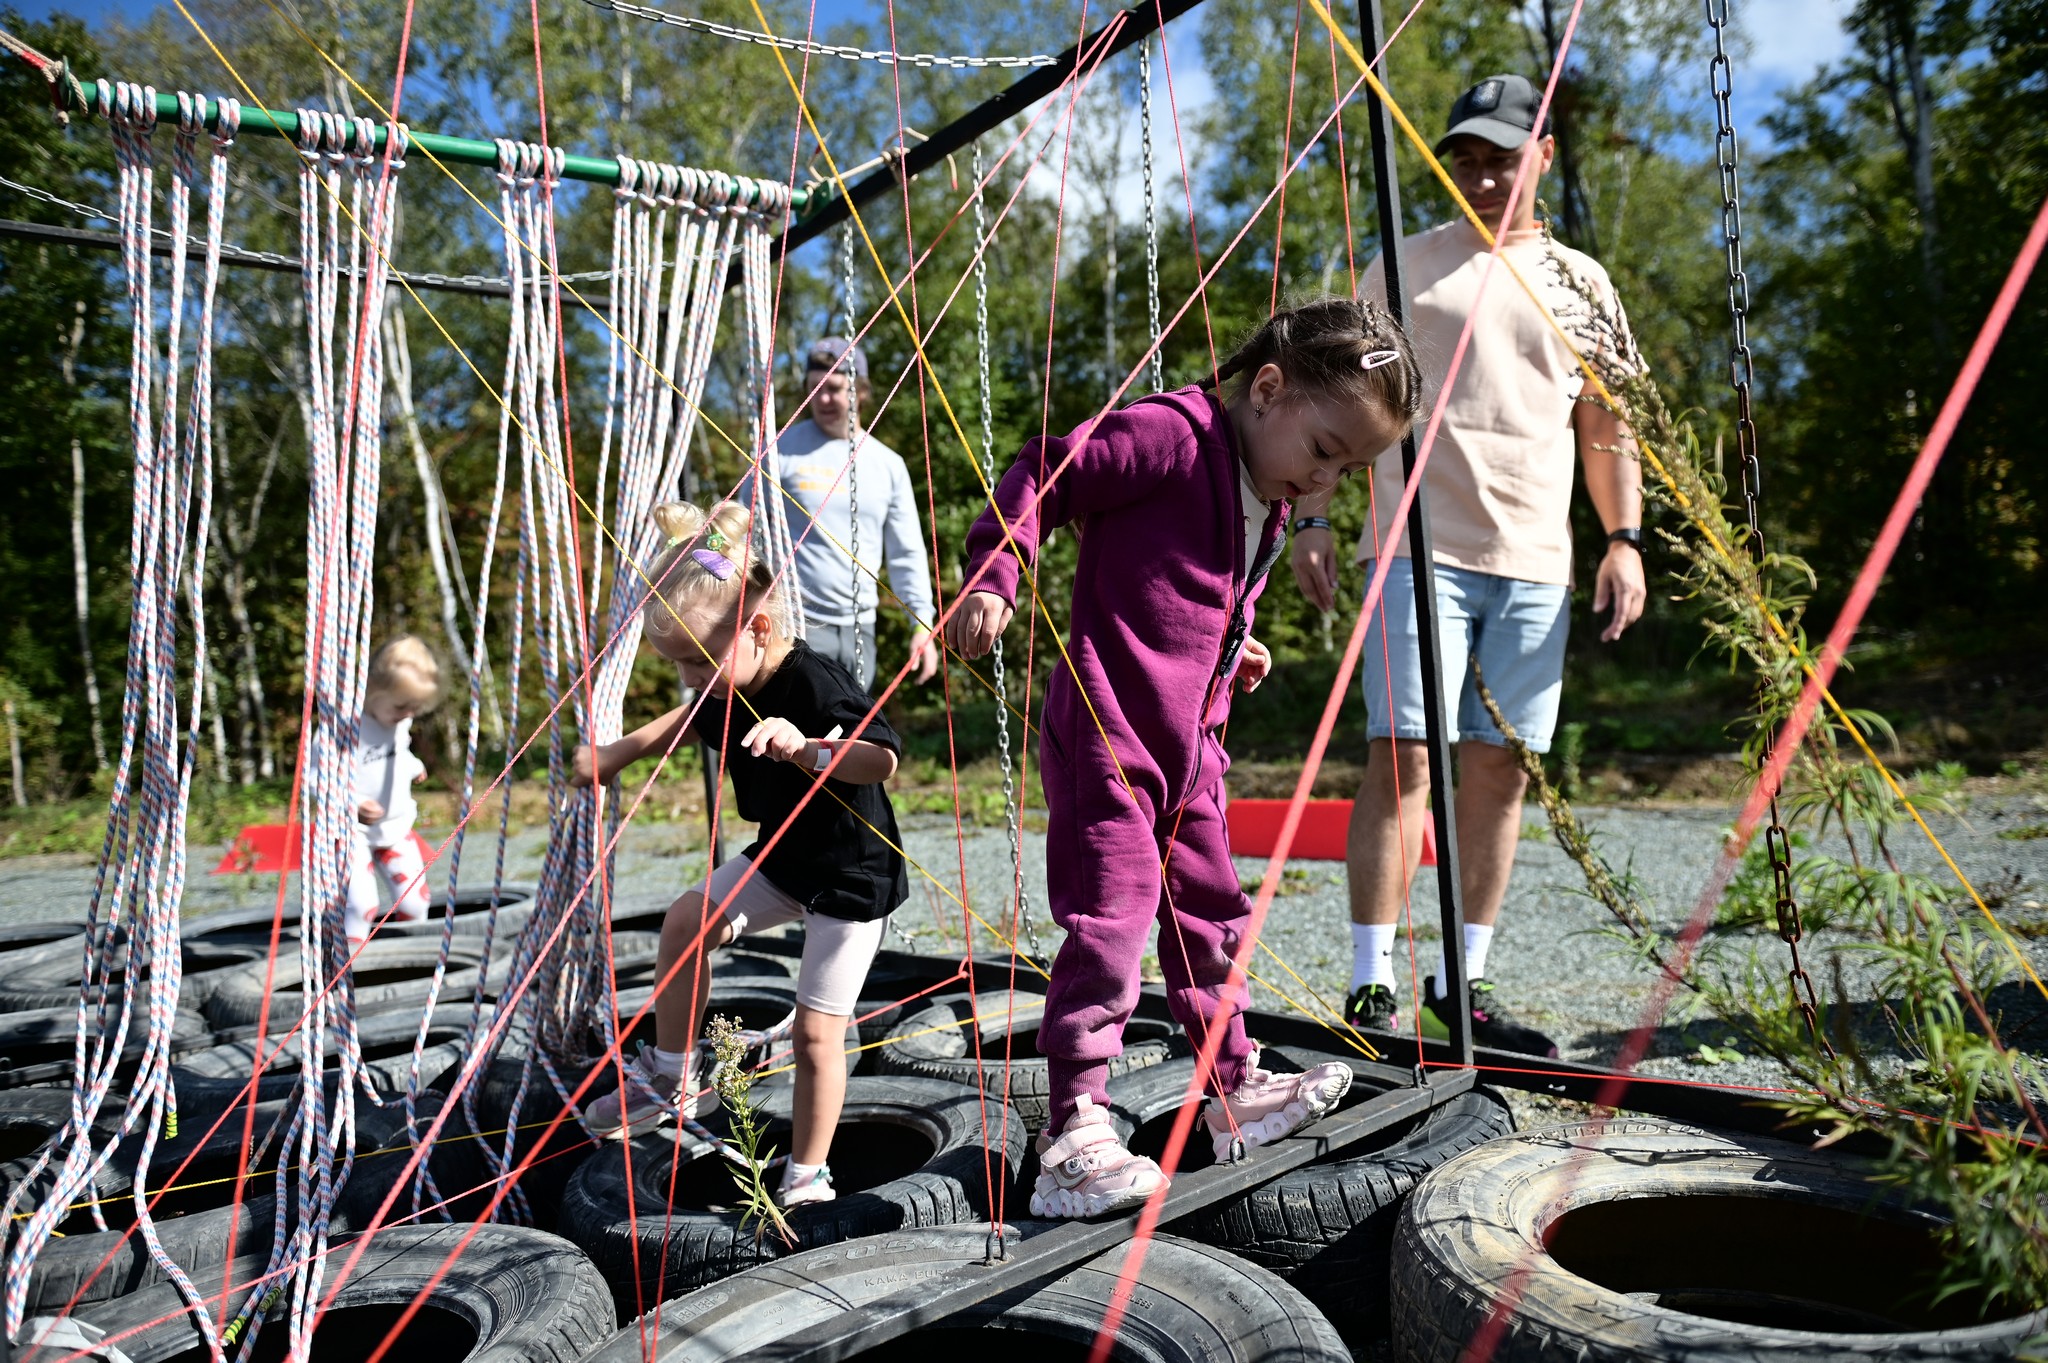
(832, 859)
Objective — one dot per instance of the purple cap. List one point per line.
(830, 353)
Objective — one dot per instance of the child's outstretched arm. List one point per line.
(863, 763)
(607, 760)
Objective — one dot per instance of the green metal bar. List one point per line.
(466, 151)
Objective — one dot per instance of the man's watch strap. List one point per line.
(1631, 535)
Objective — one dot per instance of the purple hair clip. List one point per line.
(1374, 359)
(715, 563)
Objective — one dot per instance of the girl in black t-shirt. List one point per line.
(783, 719)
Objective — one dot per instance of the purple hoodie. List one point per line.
(1162, 601)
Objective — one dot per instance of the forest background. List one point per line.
(1883, 201)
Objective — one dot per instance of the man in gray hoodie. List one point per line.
(831, 465)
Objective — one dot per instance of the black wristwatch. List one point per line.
(1302, 523)
(1631, 535)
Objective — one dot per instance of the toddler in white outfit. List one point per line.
(405, 681)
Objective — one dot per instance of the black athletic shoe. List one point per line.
(1492, 1025)
(1371, 1008)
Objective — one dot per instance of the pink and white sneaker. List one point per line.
(651, 1099)
(1268, 1107)
(1087, 1171)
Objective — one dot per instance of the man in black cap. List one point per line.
(1500, 476)
(831, 466)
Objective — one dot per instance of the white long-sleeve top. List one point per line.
(385, 769)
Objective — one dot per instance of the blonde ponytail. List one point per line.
(707, 562)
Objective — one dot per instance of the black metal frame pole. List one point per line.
(1387, 189)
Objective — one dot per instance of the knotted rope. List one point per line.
(132, 938)
(344, 459)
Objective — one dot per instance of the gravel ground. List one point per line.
(1551, 960)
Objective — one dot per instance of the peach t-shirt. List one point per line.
(1500, 476)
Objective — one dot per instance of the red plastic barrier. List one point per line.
(1325, 827)
(272, 848)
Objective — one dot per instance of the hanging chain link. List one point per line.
(1013, 818)
(1741, 375)
(926, 60)
(849, 330)
(1151, 211)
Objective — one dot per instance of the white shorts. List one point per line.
(837, 953)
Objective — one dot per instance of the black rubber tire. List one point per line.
(1659, 1212)
(1194, 1304)
(42, 932)
(87, 1265)
(38, 1047)
(554, 1155)
(674, 1247)
(390, 975)
(48, 976)
(219, 1072)
(937, 1042)
(512, 1296)
(472, 910)
(1326, 1227)
(28, 1119)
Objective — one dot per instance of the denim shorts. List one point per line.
(1516, 629)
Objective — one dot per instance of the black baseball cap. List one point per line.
(1500, 109)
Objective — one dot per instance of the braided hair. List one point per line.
(1325, 347)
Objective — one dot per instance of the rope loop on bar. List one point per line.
(227, 123)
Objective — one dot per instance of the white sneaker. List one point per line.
(816, 1188)
(1087, 1171)
(1268, 1107)
(651, 1099)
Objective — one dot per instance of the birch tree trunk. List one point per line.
(81, 581)
(400, 371)
(14, 752)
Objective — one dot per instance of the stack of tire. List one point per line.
(213, 1185)
(1635, 1239)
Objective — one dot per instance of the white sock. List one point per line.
(669, 1063)
(796, 1175)
(1478, 938)
(1372, 955)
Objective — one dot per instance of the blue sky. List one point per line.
(1790, 37)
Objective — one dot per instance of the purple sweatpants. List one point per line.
(1104, 879)
(1164, 588)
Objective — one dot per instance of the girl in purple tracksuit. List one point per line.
(1179, 502)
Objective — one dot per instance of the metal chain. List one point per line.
(851, 54)
(849, 330)
(1151, 211)
(1741, 375)
(1013, 818)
